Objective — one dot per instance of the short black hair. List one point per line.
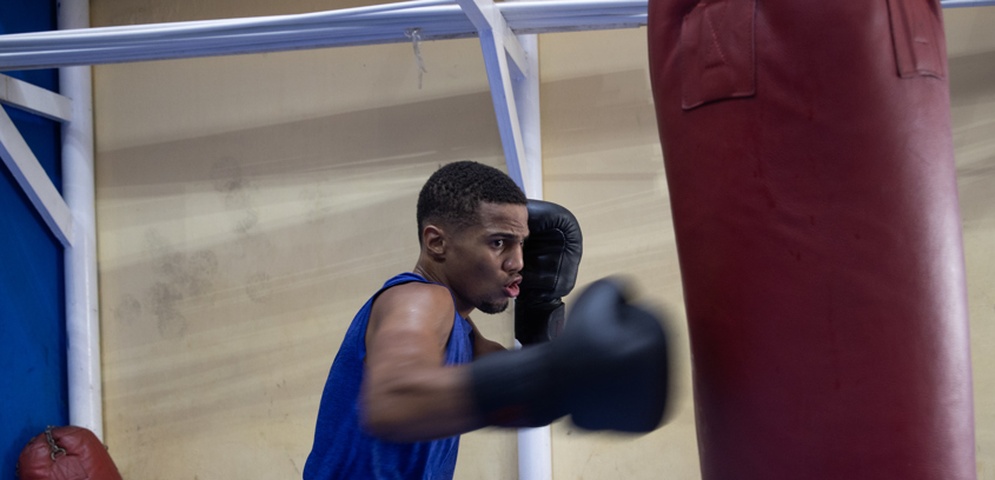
(453, 193)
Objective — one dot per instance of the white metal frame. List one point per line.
(70, 215)
(507, 36)
(22, 162)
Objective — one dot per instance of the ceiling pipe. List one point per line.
(387, 23)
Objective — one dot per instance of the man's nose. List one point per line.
(516, 260)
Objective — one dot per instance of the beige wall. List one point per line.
(248, 205)
(972, 79)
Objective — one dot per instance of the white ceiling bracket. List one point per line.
(22, 162)
(33, 99)
(511, 71)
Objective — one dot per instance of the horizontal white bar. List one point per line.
(966, 3)
(388, 23)
(357, 26)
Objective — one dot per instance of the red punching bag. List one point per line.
(66, 453)
(809, 156)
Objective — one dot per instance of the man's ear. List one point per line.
(434, 240)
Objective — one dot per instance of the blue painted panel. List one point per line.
(32, 292)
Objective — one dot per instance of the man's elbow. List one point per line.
(376, 422)
(416, 406)
(385, 419)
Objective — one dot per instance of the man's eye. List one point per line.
(497, 243)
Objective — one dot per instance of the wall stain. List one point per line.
(128, 309)
(238, 193)
(316, 199)
(258, 287)
(178, 276)
(164, 299)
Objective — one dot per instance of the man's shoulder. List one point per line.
(414, 306)
(419, 291)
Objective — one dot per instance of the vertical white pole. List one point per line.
(535, 454)
(526, 91)
(535, 460)
(82, 313)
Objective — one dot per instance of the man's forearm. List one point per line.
(420, 405)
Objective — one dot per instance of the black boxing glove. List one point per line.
(551, 256)
(608, 370)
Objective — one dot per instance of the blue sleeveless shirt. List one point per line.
(342, 449)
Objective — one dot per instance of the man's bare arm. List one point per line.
(408, 394)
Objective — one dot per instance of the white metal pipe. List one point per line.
(535, 455)
(966, 3)
(436, 19)
(434, 11)
(535, 460)
(527, 103)
(82, 314)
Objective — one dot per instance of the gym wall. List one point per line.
(248, 206)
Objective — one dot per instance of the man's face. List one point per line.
(486, 258)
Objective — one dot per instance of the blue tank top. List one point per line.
(342, 450)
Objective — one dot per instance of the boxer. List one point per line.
(413, 372)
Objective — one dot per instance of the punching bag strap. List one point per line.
(718, 52)
(916, 30)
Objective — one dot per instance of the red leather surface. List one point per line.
(809, 157)
(84, 458)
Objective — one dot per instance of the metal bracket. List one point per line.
(512, 72)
